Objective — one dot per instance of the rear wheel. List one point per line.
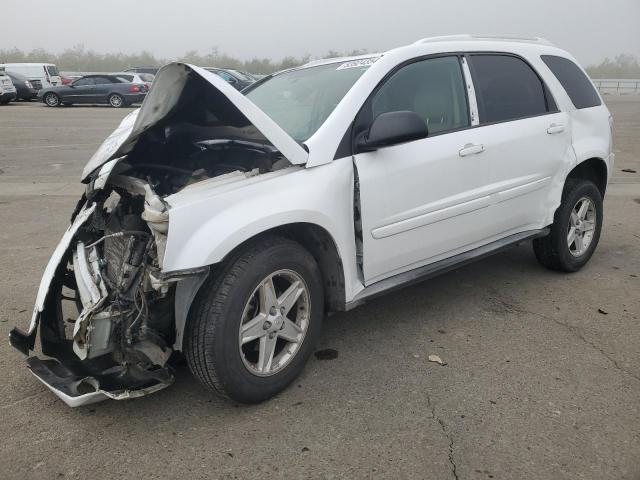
(116, 100)
(51, 99)
(256, 321)
(575, 231)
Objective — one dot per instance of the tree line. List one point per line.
(78, 59)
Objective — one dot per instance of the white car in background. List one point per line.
(139, 78)
(41, 75)
(225, 225)
(7, 88)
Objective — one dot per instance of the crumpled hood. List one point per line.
(161, 100)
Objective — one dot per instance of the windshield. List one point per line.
(300, 101)
(53, 70)
(242, 75)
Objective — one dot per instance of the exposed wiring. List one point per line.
(119, 234)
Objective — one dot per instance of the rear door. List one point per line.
(103, 87)
(526, 139)
(426, 199)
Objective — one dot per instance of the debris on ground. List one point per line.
(326, 354)
(437, 359)
(603, 312)
(629, 170)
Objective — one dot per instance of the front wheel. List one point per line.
(116, 101)
(256, 321)
(51, 100)
(575, 231)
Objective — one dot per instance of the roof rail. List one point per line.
(500, 38)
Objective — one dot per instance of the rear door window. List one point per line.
(432, 88)
(573, 80)
(103, 80)
(507, 88)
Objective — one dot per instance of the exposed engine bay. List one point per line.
(108, 321)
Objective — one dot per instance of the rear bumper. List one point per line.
(28, 94)
(135, 97)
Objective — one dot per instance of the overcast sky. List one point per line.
(590, 29)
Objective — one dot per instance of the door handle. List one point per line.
(555, 128)
(471, 149)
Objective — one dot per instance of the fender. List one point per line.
(208, 220)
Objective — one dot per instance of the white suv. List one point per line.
(225, 225)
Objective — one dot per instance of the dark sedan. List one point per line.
(25, 90)
(95, 89)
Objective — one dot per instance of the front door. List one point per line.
(81, 91)
(427, 199)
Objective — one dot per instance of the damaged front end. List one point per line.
(109, 315)
(106, 322)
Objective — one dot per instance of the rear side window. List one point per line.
(103, 80)
(507, 88)
(573, 80)
(432, 88)
(126, 78)
(85, 81)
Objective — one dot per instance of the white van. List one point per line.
(41, 75)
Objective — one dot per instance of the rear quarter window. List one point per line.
(579, 88)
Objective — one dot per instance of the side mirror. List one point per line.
(391, 128)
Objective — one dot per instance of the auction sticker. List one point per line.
(363, 62)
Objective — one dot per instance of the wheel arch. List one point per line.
(312, 237)
(593, 169)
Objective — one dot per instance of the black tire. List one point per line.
(116, 100)
(211, 337)
(553, 251)
(51, 99)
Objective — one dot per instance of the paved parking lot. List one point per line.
(542, 378)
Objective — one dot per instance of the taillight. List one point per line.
(135, 88)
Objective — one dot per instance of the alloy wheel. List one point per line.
(52, 100)
(115, 101)
(274, 323)
(582, 226)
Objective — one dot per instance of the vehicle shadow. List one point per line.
(362, 337)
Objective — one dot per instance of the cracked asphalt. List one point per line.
(542, 378)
